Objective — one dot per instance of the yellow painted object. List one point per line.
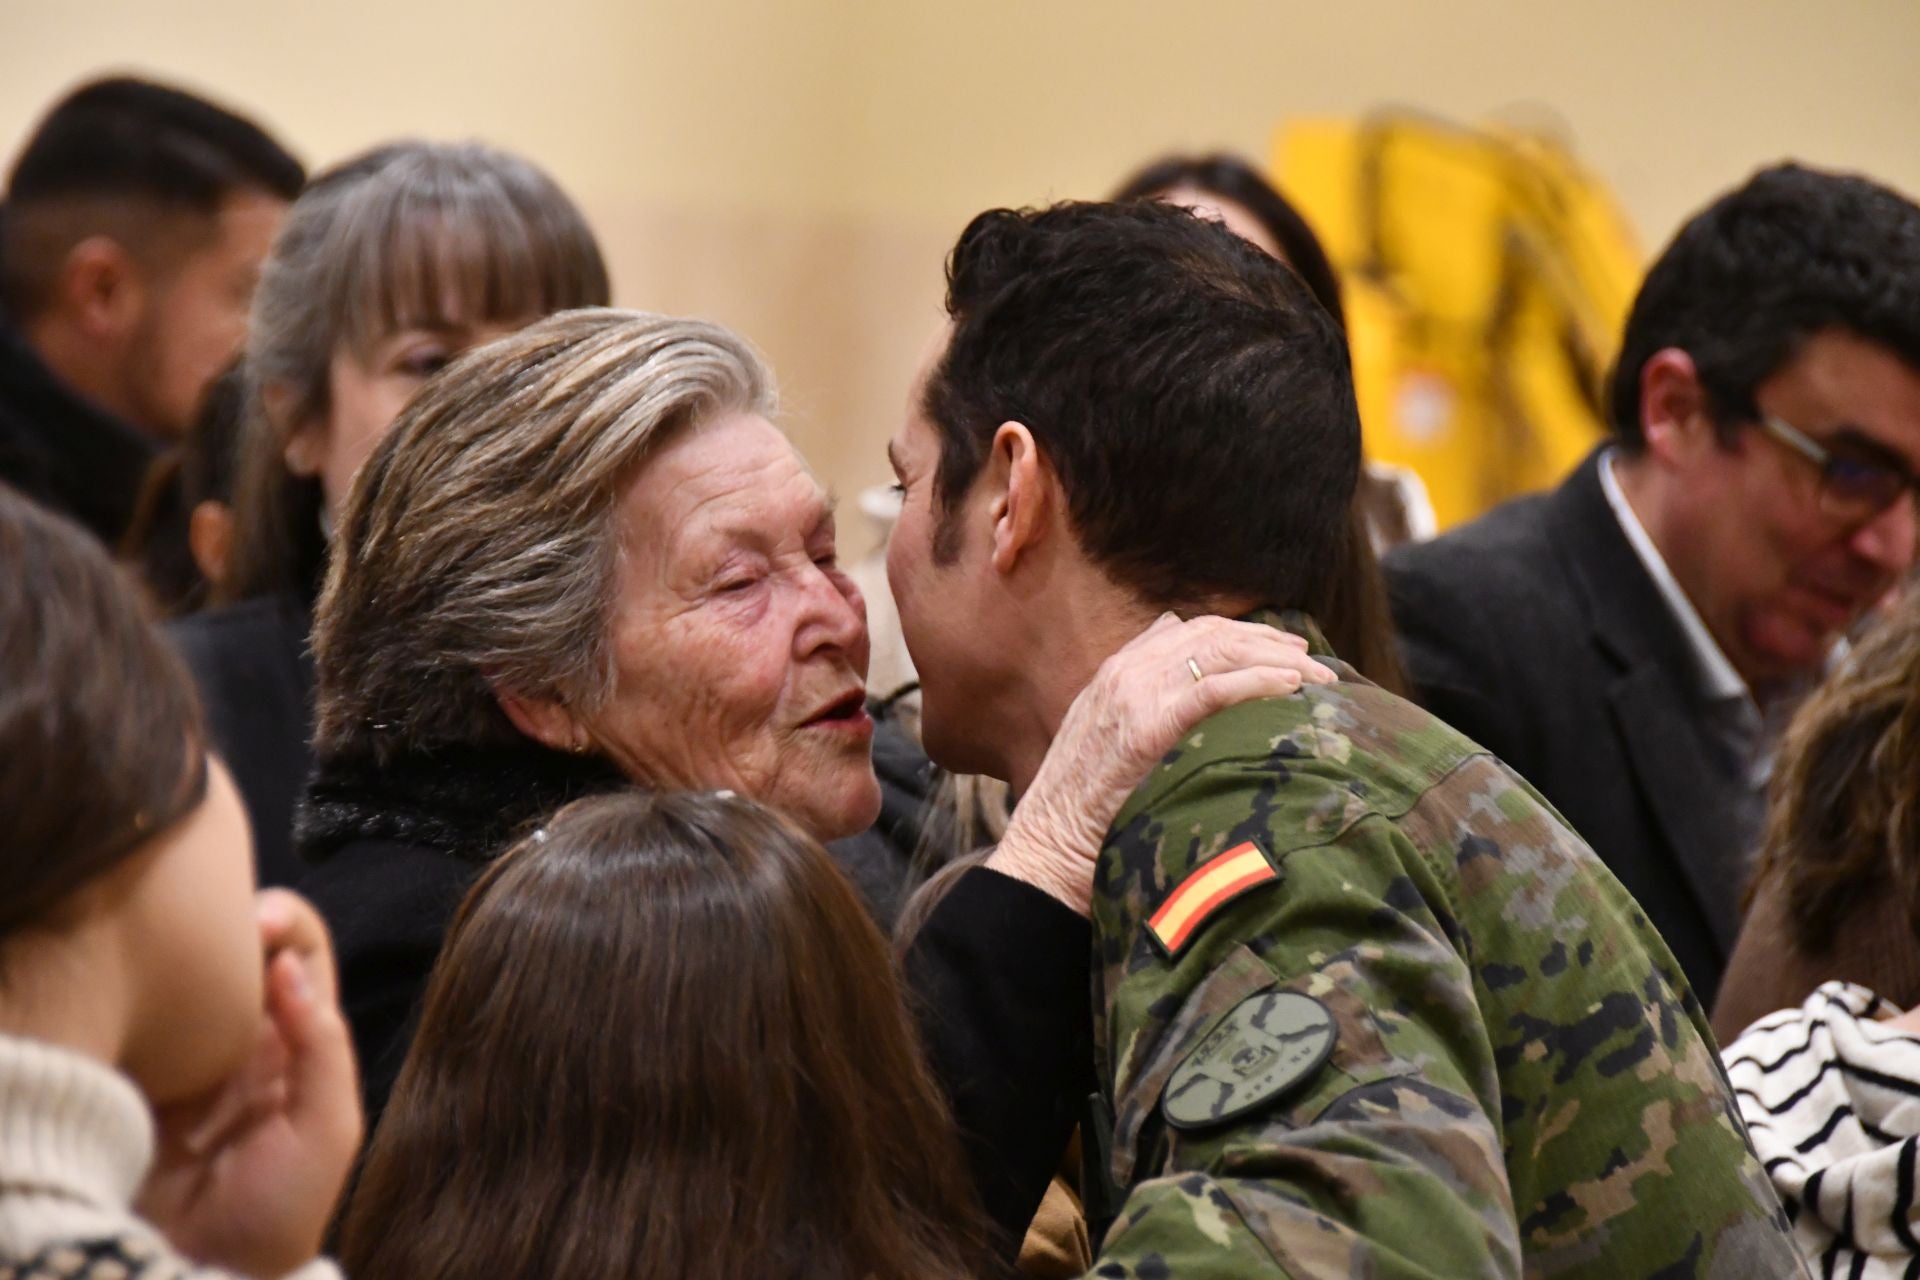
(1486, 278)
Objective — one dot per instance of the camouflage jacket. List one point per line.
(1366, 1006)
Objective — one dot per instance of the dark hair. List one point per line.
(198, 469)
(1231, 178)
(1843, 820)
(1192, 396)
(1352, 609)
(663, 1039)
(101, 745)
(1762, 269)
(135, 146)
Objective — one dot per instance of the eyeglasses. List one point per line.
(1852, 489)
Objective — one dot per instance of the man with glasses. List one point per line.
(1634, 642)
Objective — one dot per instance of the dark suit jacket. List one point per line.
(1537, 632)
(62, 450)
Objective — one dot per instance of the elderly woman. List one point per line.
(585, 559)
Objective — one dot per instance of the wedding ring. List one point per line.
(1193, 669)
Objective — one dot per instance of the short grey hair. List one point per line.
(407, 234)
(480, 546)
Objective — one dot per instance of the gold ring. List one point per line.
(1193, 669)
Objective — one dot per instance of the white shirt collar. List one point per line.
(1718, 678)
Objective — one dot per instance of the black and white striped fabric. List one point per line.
(1831, 1095)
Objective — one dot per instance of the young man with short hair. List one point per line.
(135, 223)
(1364, 1004)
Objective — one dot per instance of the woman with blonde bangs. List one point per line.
(389, 265)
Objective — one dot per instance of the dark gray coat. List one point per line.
(1537, 632)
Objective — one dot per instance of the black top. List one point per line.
(255, 675)
(1537, 632)
(999, 973)
(63, 450)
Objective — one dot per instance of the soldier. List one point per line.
(1366, 1006)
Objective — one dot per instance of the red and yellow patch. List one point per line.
(1211, 886)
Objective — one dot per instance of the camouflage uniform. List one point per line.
(1516, 1078)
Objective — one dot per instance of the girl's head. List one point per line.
(126, 882)
(388, 266)
(663, 1039)
(1843, 824)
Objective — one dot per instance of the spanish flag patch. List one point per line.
(1212, 885)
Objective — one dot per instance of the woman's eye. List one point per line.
(425, 364)
(897, 487)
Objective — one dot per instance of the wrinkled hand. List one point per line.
(247, 1177)
(1139, 705)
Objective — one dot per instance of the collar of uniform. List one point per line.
(1296, 621)
(1182, 759)
(1718, 680)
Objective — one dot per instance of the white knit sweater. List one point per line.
(76, 1140)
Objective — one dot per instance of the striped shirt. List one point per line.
(1831, 1095)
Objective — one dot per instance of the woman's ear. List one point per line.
(304, 446)
(547, 722)
(210, 538)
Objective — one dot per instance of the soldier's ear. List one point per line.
(1024, 497)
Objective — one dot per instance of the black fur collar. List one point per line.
(466, 801)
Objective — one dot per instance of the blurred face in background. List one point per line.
(195, 318)
(185, 906)
(365, 393)
(1777, 575)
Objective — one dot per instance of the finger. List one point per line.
(322, 1087)
(1216, 693)
(1256, 646)
(290, 924)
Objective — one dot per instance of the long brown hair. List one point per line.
(663, 1039)
(1843, 825)
(101, 743)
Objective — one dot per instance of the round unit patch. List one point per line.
(1271, 1042)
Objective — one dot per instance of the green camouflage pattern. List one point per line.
(1522, 1083)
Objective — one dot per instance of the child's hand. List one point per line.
(247, 1177)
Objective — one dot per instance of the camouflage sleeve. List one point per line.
(1306, 1079)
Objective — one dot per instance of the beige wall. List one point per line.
(797, 169)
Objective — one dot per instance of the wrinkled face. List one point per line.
(946, 619)
(365, 395)
(741, 648)
(196, 318)
(1775, 578)
(191, 921)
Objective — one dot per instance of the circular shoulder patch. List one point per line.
(1271, 1042)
